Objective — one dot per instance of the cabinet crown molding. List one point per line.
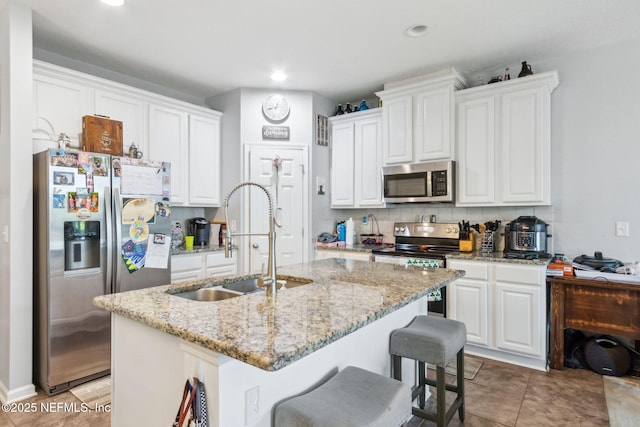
(549, 79)
(356, 115)
(408, 86)
(55, 71)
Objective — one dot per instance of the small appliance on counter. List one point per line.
(526, 237)
(200, 229)
(597, 262)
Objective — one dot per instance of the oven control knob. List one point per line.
(396, 229)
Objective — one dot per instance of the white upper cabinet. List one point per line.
(433, 128)
(186, 135)
(168, 131)
(356, 160)
(398, 130)
(504, 142)
(368, 161)
(59, 104)
(130, 110)
(342, 164)
(204, 156)
(418, 118)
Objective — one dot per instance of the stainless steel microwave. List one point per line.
(420, 182)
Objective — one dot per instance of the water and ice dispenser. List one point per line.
(81, 245)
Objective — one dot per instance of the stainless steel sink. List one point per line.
(251, 285)
(236, 289)
(209, 294)
(245, 286)
(292, 283)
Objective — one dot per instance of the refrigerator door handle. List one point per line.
(117, 209)
(109, 231)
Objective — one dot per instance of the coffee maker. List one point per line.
(200, 229)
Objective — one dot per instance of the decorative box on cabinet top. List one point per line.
(102, 135)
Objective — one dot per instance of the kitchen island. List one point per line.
(253, 351)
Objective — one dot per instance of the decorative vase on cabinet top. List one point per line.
(526, 70)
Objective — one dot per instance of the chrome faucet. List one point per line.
(270, 278)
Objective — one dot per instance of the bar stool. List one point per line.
(434, 340)
(353, 397)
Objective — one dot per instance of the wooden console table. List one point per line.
(598, 306)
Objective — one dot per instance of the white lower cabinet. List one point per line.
(189, 267)
(218, 265)
(503, 307)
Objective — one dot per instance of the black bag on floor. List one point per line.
(574, 342)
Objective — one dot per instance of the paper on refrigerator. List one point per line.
(158, 247)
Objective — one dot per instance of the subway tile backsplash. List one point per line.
(388, 216)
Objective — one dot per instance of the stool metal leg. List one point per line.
(421, 384)
(396, 367)
(441, 411)
(460, 382)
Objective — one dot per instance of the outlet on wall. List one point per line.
(622, 228)
(251, 405)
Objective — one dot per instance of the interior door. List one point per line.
(281, 171)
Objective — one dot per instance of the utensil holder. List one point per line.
(488, 242)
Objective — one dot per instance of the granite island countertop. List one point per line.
(270, 334)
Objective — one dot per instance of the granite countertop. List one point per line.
(357, 247)
(495, 257)
(472, 256)
(180, 250)
(345, 295)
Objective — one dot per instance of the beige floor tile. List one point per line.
(469, 421)
(508, 378)
(4, 420)
(564, 398)
(62, 410)
(494, 404)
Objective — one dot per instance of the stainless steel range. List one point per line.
(426, 244)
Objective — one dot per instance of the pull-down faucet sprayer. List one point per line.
(270, 278)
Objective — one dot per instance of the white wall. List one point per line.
(242, 124)
(596, 151)
(16, 202)
(321, 214)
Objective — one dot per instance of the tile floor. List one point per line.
(503, 395)
(500, 395)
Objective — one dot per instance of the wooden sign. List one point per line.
(102, 135)
(275, 132)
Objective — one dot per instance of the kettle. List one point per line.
(200, 229)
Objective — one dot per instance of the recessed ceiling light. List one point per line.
(416, 30)
(113, 2)
(278, 76)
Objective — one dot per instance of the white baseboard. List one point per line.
(20, 393)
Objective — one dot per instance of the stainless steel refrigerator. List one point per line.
(101, 225)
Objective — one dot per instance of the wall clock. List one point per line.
(275, 108)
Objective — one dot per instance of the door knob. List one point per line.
(255, 246)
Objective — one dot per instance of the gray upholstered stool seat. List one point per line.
(352, 398)
(437, 341)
